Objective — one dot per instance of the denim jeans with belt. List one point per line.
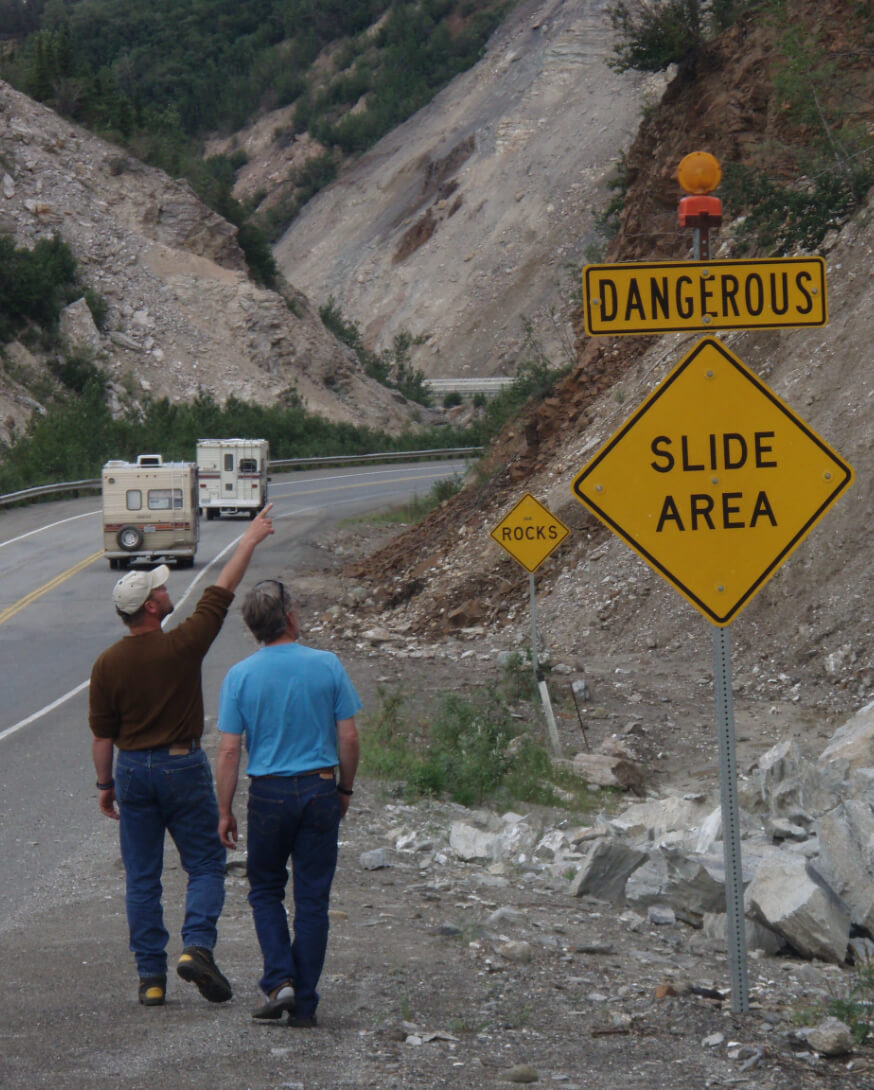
(157, 792)
(297, 817)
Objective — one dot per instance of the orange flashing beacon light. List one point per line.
(699, 173)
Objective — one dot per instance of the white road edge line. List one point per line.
(48, 526)
(84, 684)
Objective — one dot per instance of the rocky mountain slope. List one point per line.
(477, 212)
(183, 315)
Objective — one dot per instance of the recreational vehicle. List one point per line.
(150, 511)
(232, 476)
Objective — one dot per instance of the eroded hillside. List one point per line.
(183, 316)
(474, 215)
(807, 635)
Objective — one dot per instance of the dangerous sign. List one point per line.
(530, 532)
(713, 481)
(704, 295)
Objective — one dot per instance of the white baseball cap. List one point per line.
(131, 591)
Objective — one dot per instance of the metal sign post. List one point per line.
(529, 533)
(533, 604)
(736, 935)
(735, 928)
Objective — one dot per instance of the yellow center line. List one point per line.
(16, 607)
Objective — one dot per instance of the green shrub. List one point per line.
(781, 219)
(391, 367)
(856, 1007)
(653, 34)
(35, 284)
(76, 370)
(534, 380)
(451, 399)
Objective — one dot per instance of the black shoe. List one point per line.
(307, 1021)
(196, 965)
(153, 991)
(281, 999)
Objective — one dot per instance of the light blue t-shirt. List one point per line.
(286, 700)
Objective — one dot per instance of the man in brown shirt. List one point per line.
(146, 702)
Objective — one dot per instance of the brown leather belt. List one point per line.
(325, 773)
(178, 749)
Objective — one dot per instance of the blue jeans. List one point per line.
(297, 817)
(157, 792)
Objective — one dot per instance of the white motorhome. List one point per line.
(232, 476)
(150, 511)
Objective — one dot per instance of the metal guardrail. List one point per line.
(388, 456)
(490, 385)
(282, 463)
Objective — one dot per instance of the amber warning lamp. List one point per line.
(699, 173)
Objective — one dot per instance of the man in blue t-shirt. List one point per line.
(295, 707)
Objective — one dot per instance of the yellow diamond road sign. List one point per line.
(673, 296)
(530, 532)
(713, 481)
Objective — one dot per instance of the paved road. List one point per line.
(56, 616)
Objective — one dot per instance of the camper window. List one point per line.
(162, 499)
(229, 462)
(134, 499)
(248, 465)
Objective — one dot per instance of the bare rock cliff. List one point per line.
(478, 211)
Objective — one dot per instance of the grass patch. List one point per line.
(467, 748)
(415, 509)
(856, 1008)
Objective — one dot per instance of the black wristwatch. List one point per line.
(345, 791)
(108, 786)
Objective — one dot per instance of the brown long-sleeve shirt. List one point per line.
(146, 690)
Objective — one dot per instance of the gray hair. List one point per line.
(265, 609)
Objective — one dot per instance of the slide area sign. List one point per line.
(713, 481)
(672, 296)
(529, 532)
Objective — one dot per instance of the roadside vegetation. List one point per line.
(470, 748)
(157, 79)
(415, 509)
(77, 433)
(855, 1006)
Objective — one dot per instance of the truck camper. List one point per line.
(150, 511)
(232, 476)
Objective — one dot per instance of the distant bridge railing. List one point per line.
(468, 386)
(27, 494)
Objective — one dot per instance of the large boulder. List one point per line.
(692, 887)
(788, 896)
(606, 868)
(846, 857)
